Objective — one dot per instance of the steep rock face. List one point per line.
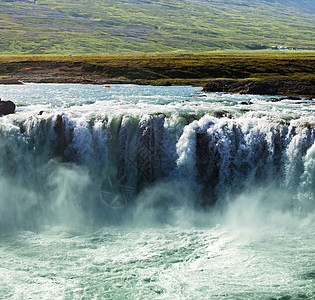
(305, 87)
(6, 108)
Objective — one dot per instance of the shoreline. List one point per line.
(272, 74)
(280, 86)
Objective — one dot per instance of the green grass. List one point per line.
(154, 69)
(140, 26)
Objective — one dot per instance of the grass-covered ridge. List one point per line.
(130, 26)
(155, 69)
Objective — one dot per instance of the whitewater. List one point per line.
(142, 192)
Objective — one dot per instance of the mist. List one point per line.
(154, 170)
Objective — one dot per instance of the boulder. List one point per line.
(246, 102)
(6, 107)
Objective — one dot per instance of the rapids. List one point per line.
(127, 192)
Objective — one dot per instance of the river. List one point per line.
(142, 192)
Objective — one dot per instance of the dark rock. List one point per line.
(222, 113)
(246, 102)
(282, 86)
(255, 88)
(6, 107)
(276, 99)
(292, 98)
(60, 142)
(220, 86)
(207, 158)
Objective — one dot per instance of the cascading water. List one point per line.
(48, 160)
(172, 157)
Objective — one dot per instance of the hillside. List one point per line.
(131, 26)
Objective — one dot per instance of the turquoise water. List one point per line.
(159, 263)
(139, 192)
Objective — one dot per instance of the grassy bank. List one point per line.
(159, 68)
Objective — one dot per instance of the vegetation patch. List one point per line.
(193, 69)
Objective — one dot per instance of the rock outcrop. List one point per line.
(303, 87)
(6, 107)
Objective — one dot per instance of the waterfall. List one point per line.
(65, 166)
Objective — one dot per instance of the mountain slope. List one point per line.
(82, 26)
